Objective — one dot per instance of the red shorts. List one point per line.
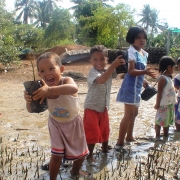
(96, 126)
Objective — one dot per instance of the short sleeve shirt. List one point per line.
(130, 91)
(98, 95)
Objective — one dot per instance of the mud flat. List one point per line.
(25, 145)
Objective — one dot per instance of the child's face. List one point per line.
(98, 60)
(140, 41)
(50, 71)
(170, 69)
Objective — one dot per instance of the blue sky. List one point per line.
(168, 10)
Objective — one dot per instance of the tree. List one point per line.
(8, 49)
(146, 20)
(27, 36)
(83, 11)
(26, 9)
(108, 24)
(151, 22)
(156, 25)
(48, 8)
(60, 27)
(84, 8)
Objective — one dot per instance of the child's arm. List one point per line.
(28, 99)
(161, 84)
(134, 72)
(104, 77)
(69, 87)
(145, 83)
(176, 88)
(176, 83)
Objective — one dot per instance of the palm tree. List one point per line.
(146, 20)
(81, 4)
(156, 25)
(155, 22)
(27, 10)
(49, 7)
(44, 11)
(150, 20)
(40, 16)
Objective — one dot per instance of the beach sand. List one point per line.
(25, 146)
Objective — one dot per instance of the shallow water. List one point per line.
(25, 143)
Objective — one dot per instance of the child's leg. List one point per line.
(157, 129)
(105, 147)
(129, 136)
(90, 156)
(54, 166)
(76, 166)
(166, 131)
(129, 114)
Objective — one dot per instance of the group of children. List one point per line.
(74, 138)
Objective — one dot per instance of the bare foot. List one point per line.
(90, 159)
(106, 150)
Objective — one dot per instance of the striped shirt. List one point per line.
(98, 95)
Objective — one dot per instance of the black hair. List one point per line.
(178, 60)
(164, 62)
(99, 48)
(49, 55)
(133, 33)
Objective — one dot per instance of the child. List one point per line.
(166, 96)
(130, 90)
(177, 106)
(96, 120)
(65, 124)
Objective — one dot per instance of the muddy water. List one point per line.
(25, 142)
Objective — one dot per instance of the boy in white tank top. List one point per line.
(65, 124)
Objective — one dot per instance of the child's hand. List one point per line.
(27, 97)
(42, 92)
(118, 61)
(150, 72)
(156, 106)
(145, 83)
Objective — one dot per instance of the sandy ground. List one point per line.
(24, 143)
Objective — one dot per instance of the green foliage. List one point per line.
(151, 23)
(173, 52)
(28, 36)
(107, 26)
(66, 42)
(93, 22)
(8, 50)
(160, 40)
(60, 28)
(26, 10)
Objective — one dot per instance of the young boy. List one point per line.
(96, 120)
(65, 123)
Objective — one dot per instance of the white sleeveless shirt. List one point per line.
(65, 108)
(168, 95)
